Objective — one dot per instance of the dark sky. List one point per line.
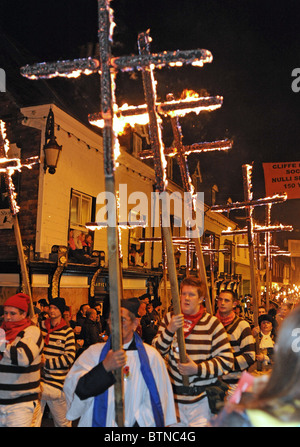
(255, 45)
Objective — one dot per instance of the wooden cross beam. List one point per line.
(259, 229)
(7, 169)
(199, 104)
(138, 114)
(207, 146)
(87, 66)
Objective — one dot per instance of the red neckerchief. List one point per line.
(226, 320)
(51, 328)
(13, 328)
(190, 321)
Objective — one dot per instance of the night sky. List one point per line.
(255, 46)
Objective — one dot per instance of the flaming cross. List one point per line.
(132, 115)
(107, 67)
(181, 156)
(269, 251)
(248, 204)
(8, 166)
(161, 181)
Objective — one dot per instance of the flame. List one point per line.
(10, 165)
(189, 94)
(187, 98)
(131, 115)
(248, 169)
(259, 229)
(5, 141)
(122, 121)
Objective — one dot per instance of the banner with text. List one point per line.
(282, 178)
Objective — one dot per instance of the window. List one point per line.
(141, 139)
(80, 239)
(136, 249)
(81, 209)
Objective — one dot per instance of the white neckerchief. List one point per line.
(266, 341)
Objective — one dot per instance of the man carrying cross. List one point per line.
(240, 336)
(209, 355)
(148, 394)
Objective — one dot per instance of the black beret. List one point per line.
(265, 317)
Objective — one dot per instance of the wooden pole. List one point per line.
(249, 220)
(24, 272)
(268, 256)
(157, 147)
(115, 285)
(186, 181)
(14, 210)
(212, 275)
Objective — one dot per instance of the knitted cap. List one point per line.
(132, 305)
(20, 301)
(59, 303)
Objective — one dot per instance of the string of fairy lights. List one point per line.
(90, 147)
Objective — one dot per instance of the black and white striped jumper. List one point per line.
(207, 345)
(243, 346)
(60, 355)
(20, 368)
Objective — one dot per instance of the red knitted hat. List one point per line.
(20, 300)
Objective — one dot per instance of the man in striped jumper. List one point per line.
(58, 357)
(20, 363)
(209, 354)
(240, 336)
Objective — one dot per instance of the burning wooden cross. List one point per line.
(161, 182)
(8, 166)
(181, 156)
(107, 67)
(248, 204)
(269, 250)
(149, 114)
(133, 115)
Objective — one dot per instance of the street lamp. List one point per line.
(51, 147)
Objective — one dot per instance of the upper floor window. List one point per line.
(81, 209)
